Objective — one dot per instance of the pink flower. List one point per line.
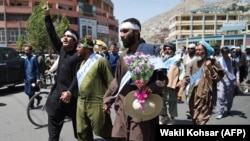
(141, 97)
(141, 70)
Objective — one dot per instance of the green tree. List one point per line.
(213, 43)
(37, 35)
(61, 25)
(20, 42)
(241, 8)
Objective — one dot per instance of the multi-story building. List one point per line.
(94, 17)
(210, 24)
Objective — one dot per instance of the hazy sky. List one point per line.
(143, 9)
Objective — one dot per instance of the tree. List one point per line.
(37, 35)
(61, 25)
(20, 42)
(213, 43)
(241, 8)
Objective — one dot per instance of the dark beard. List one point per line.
(129, 41)
(27, 54)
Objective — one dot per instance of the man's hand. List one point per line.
(208, 64)
(106, 108)
(47, 9)
(38, 81)
(65, 96)
(148, 90)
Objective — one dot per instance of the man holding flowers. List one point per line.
(126, 127)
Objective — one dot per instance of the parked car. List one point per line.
(11, 67)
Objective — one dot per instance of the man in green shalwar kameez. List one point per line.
(94, 77)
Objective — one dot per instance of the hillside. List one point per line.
(153, 28)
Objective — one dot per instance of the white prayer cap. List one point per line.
(238, 47)
(191, 45)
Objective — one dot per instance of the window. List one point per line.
(15, 17)
(13, 33)
(2, 36)
(19, 3)
(65, 7)
(106, 7)
(86, 30)
(37, 3)
(97, 3)
(209, 18)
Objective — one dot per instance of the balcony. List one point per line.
(18, 9)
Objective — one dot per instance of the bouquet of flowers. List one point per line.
(141, 70)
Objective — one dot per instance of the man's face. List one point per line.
(191, 51)
(127, 37)
(200, 51)
(80, 50)
(168, 51)
(113, 49)
(183, 49)
(233, 53)
(225, 55)
(238, 51)
(68, 41)
(27, 51)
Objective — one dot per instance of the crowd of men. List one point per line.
(89, 83)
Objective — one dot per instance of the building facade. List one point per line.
(94, 17)
(210, 24)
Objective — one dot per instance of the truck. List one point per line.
(12, 69)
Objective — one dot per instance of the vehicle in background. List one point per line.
(50, 59)
(22, 55)
(53, 56)
(11, 67)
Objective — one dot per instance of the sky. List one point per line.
(143, 9)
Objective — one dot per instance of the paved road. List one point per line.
(15, 125)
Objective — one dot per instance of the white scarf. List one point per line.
(81, 73)
(229, 73)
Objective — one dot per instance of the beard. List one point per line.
(129, 41)
(200, 57)
(168, 56)
(28, 54)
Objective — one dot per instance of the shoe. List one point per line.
(163, 120)
(188, 115)
(171, 122)
(32, 107)
(219, 117)
(179, 97)
(39, 100)
(228, 112)
(246, 91)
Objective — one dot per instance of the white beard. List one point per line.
(199, 58)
